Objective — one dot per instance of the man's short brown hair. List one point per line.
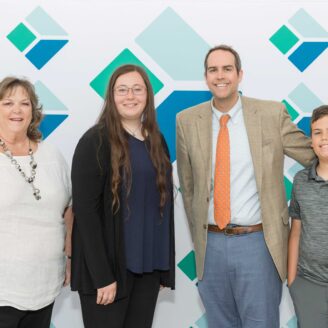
(224, 47)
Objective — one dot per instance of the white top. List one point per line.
(244, 198)
(32, 232)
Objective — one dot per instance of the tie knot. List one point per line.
(224, 120)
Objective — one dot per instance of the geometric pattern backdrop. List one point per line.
(69, 50)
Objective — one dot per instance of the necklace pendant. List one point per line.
(37, 197)
(36, 194)
(33, 165)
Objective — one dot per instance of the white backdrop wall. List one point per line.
(170, 38)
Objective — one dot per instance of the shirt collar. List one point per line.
(313, 172)
(233, 112)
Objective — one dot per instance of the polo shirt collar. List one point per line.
(313, 172)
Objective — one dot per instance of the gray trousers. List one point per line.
(241, 287)
(310, 303)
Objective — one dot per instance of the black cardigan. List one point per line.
(98, 257)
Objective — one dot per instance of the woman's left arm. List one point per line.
(68, 218)
(167, 278)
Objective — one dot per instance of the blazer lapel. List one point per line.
(204, 130)
(254, 131)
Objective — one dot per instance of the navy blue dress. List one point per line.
(146, 232)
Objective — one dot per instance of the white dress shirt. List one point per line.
(244, 198)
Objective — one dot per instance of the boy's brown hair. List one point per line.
(318, 113)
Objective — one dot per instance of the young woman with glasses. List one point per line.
(123, 235)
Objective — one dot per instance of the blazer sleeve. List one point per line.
(89, 174)
(184, 171)
(295, 144)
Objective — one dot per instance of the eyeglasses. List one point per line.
(123, 90)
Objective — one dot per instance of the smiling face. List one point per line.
(131, 105)
(15, 112)
(320, 138)
(222, 79)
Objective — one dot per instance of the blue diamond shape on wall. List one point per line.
(304, 124)
(50, 123)
(307, 53)
(43, 51)
(175, 46)
(51, 103)
(170, 107)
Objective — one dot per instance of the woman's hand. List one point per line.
(106, 295)
(67, 272)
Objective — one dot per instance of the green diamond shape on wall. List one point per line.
(188, 265)
(288, 188)
(21, 37)
(284, 39)
(99, 83)
(291, 110)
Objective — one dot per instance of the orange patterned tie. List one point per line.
(222, 212)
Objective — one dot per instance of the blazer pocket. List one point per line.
(285, 216)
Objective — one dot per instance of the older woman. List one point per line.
(34, 199)
(123, 238)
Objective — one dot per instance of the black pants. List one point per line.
(135, 311)
(14, 318)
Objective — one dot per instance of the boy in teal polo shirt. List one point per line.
(308, 239)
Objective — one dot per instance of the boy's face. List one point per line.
(320, 138)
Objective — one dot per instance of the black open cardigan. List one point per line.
(98, 257)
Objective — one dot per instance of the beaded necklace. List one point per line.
(33, 165)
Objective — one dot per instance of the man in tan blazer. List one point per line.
(242, 266)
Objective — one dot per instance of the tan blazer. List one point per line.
(271, 135)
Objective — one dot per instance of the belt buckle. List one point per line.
(228, 231)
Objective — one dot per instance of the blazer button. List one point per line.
(207, 199)
(205, 226)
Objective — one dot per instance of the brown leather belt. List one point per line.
(235, 230)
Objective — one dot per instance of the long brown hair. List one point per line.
(8, 85)
(117, 139)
